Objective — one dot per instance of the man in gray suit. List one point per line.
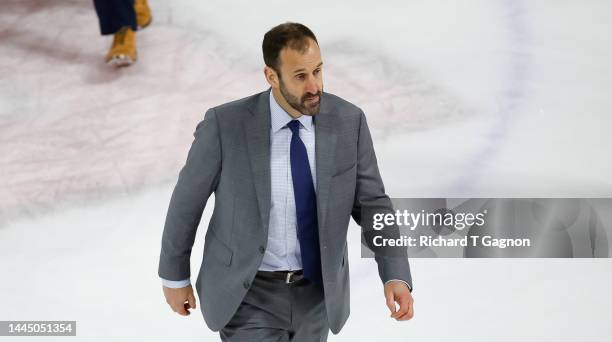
(288, 167)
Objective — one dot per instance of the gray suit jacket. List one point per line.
(230, 156)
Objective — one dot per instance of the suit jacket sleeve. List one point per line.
(197, 180)
(370, 192)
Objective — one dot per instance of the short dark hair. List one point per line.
(292, 35)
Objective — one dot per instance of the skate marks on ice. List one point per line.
(396, 98)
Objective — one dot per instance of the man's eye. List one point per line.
(300, 76)
(317, 71)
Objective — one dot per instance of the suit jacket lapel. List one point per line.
(257, 127)
(325, 149)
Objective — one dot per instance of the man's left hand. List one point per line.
(397, 291)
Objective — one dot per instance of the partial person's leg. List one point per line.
(115, 14)
(264, 314)
(309, 316)
(118, 17)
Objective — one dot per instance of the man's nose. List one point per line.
(311, 86)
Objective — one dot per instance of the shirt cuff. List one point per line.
(409, 287)
(175, 284)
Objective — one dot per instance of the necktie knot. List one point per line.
(294, 126)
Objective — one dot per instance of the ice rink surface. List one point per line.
(464, 98)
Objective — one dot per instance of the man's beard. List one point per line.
(301, 105)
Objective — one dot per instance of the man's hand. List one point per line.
(397, 291)
(180, 300)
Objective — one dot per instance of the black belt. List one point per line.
(288, 276)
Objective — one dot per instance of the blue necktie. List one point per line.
(305, 205)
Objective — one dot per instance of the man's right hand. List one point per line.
(180, 300)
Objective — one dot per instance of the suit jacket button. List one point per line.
(246, 284)
(262, 249)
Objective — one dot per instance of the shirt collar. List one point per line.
(280, 118)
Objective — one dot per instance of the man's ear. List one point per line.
(271, 77)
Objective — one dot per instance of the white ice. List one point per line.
(464, 98)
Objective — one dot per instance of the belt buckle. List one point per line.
(288, 279)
